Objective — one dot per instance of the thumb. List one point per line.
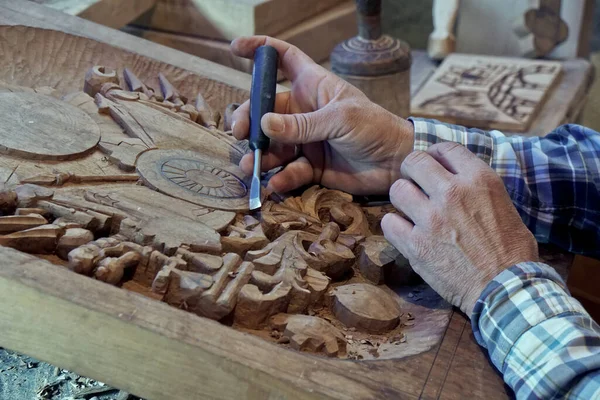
(296, 128)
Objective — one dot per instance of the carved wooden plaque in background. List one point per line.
(486, 92)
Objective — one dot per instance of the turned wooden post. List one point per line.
(377, 64)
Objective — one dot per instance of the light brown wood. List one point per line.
(380, 262)
(41, 239)
(73, 238)
(15, 223)
(315, 36)
(228, 19)
(112, 13)
(109, 47)
(48, 129)
(195, 178)
(312, 334)
(442, 40)
(487, 92)
(365, 307)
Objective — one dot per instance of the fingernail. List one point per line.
(276, 123)
(233, 125)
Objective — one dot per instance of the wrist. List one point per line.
(404, 131)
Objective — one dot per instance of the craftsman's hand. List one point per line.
(463, 228)
(324, 130)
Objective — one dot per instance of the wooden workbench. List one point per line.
(153, 350)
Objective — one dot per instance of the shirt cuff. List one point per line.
(429, 132)
(517, 300)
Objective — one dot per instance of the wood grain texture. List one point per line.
(228, 19)
(47, 128)
(112, 13)
(190, 356)
(316, 37)
(487, 92)
(72, 61)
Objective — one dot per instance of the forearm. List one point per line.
(554, 182)
(537, 335)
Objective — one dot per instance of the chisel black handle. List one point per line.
(262, 94)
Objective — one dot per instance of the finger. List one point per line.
(296, 174)
(409, 199)
(455, 158)
(298, 128)
(291, 60)
(397, 231)
(240, 119)
(425, 171)
(275, 157)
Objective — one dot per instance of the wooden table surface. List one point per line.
(457, 368)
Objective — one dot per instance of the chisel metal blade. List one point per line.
(255, 200)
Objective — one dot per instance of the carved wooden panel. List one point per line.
(487, 92)
(134, 184)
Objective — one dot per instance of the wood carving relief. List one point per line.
(487, 92)
(136, 184)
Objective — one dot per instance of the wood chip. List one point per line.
(283, 340)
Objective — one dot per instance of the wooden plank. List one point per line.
(316, 37)
(209, 49)
(487, 92)
(112, 13)
(445, 354)
(150, 349)
(74, 55)
(469, 361)
(584, 278)
(12, 12)
(228, 19)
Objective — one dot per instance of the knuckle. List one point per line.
(303, 128)
(399, 188)
(434, 220)
(448, 147)
(453, 192)
(415, 158)
(421, 247)
(484, 177)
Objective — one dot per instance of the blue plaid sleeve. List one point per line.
(539, 337)
(553, 181)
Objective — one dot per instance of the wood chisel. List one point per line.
(262, 101)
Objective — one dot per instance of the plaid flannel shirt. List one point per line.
(541, 339)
